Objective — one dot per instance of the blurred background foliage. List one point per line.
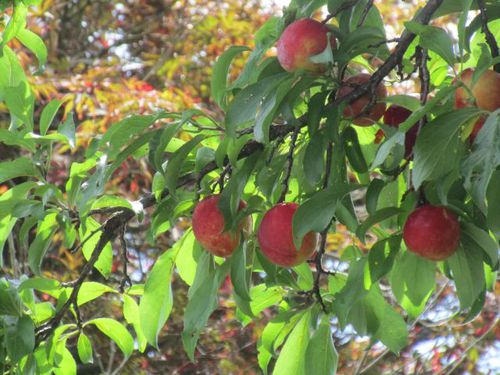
(108, 59)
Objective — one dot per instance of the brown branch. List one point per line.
(490, 38)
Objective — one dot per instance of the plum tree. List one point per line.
(208, 227)
(275, 236)
(301, 40)
(433, 232)
(359, 110)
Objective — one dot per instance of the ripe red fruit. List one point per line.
(485, 92)
(276, 237)
(208, 227)
(301, 40)
(356, 109)
(432, 232)
(396, 115)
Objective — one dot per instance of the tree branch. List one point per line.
(490, 38)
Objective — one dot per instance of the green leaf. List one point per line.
(315, 109)
(482, 162)
(64, 363)
(493, 199)
(202, 301)
(266, 111)
(177, 160)
(91, 290)
(292, 356)
(318, 211)
(241, 272)
(353, 290)
(39, 283)
(68, 130)
(414, 276)
(243, 108)
(204, 156)
(132, 316)
(377, 217)
(10, 303)
(156, 303)
(375, 316)
(21, 102)
(468, 273)
(353, 150)
(116, 332)
(43, 238)
(438, 147)
(16, 168)
(435, 39)
(314, 159)
(35, 44)
(372, 195)
(381, 257)
(13, 138)
(186, 261)
(84, 347)
(19, 337)
(480, 239)
(158, 152)
(16, 23)
(230, 198)
(13, 72)
(220, 73)
(123, 131)
(321, 356)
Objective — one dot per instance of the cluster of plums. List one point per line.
(430, 231)
(307, 37)
(275, 233)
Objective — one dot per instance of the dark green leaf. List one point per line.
(315, 109)
(468, 273)
(177, 160)
(321, 356)
(314, 159)
(239, 272)
(481, 163)
(40, 245)
(377, 217)
(372, 195)
(10, 303)
(19, 337)
(318, 211)
(438, 147)
(415, 276)
(353, 150)
(381, 256)
(480, 239)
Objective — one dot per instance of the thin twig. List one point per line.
(454, 365)
(288, 171)
(343, 7)
(490, 38)
(123, 244)
(86, 239)
(368, 6)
